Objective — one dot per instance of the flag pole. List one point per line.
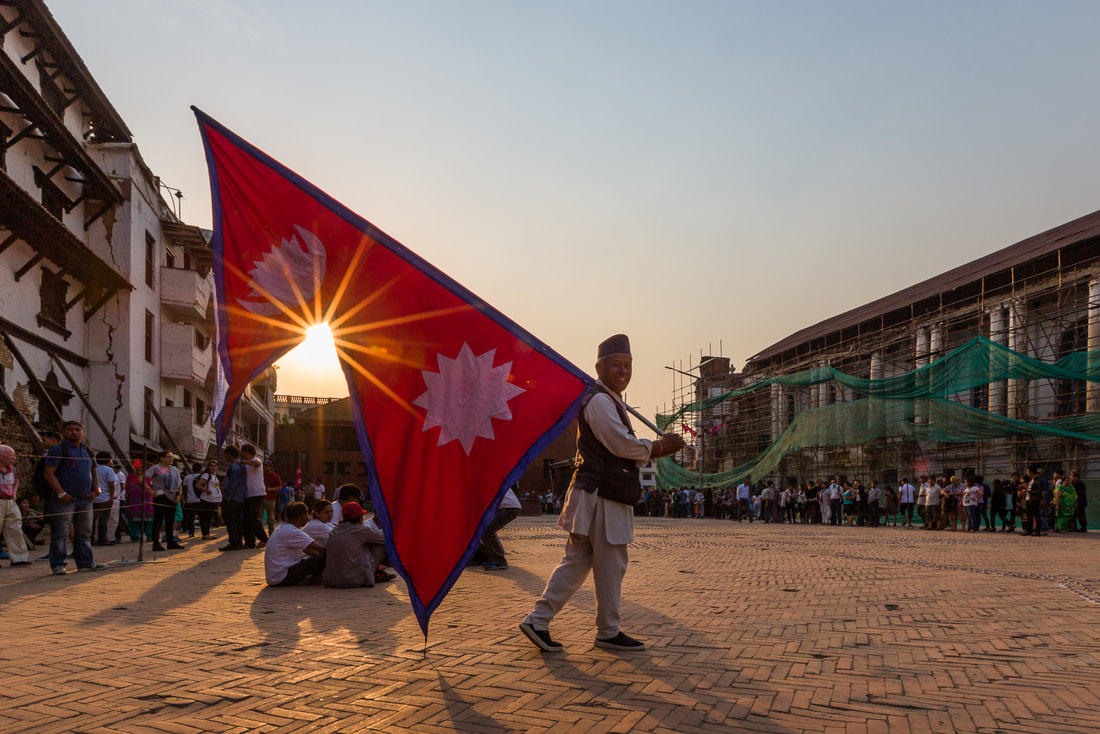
(648, 423)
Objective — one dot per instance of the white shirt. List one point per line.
(906, 493)
(579, 511)
(107, 477)
(213, 490)
(972, 496)
(254, 482)
(318, 530)
(934, 492)
(743, 491)
(510, 501)
(319, 492)
(189, 495)
(284, 549)
(609, 429)
(120, 477)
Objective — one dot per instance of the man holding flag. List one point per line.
(599, 506)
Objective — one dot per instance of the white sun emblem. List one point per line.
(465, 395)
(289, 271)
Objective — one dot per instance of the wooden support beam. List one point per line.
(36, 340)
(28, 429)
(103, 210)
(72, 98)
(4, 28)
(75, 299)
(7, 242)
(100, 303)
(30, 264)
(31, 376)
(164, 428)
(28, 130)
(75, 202)
(34, 52)
(119, 453)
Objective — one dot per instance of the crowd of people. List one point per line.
(1028, 501)
(83, 499)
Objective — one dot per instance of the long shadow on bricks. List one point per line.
(196, 581)
(369, 614)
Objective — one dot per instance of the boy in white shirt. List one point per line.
(283, 561)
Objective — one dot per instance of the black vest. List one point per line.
(597, 469)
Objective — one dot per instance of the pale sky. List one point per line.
(689, 173)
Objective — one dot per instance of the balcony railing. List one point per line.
(181, 358)
(189, 437)
(185, 294)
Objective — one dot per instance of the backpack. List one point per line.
(38, 481)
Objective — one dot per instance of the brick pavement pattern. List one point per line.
(772, 628)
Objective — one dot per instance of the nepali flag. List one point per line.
(451, 399)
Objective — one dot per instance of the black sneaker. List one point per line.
(620, 642)
(541, 638)
(158, 547)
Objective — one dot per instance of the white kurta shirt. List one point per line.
(580, 506)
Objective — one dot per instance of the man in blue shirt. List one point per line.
(233, 492)
(71, 475)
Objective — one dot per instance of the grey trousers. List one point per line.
(584, 553)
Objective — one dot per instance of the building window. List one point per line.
(186, 398)
(169, 259)
(147, 415)
(150, 259)
(202, 341)
(150, 327)
(53, 200)
(53, 292)
(200, 411)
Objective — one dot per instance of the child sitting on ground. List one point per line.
(283, 561)
(320, 526)
(354, 552)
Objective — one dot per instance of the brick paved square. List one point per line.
(751, 628)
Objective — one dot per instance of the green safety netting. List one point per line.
(978, 362)
(914, 406)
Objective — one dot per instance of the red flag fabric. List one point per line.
(688, 429)
(451, 399)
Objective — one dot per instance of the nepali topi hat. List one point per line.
(618, 344)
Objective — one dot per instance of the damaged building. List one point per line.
(106, 296)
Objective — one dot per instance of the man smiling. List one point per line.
(599, 506)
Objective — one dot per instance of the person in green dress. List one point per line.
(1064, 505)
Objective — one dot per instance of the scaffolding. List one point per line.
(1039, 299)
